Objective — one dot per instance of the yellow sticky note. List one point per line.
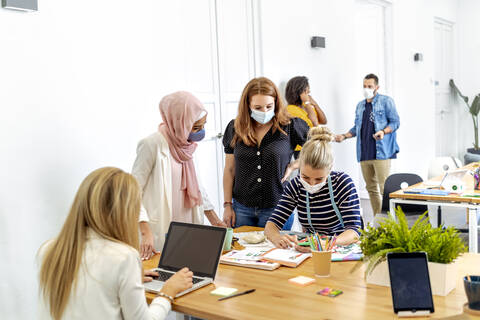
(223, 291)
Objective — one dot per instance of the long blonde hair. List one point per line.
(244, 130)
(317, 151)
(108, 203)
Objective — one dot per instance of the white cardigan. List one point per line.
(153, 171)
(109, 285)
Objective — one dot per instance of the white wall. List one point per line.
(468, 79)
(286, 30)
(80, 84)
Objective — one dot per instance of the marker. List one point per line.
(237, 294)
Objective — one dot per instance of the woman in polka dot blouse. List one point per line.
(259, 144)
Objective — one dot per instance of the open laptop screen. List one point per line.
(197, 247)
(410, 281)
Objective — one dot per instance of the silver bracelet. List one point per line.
(161, 294)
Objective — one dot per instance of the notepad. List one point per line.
(286, 257)
(223, 291)
(301, 281)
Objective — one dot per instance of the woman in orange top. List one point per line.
(301, 104)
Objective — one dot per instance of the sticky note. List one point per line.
(324, 292)
(301, 280)
(223, 291)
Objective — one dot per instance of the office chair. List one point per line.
(393, 183)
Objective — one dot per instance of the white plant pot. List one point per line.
(442, 276)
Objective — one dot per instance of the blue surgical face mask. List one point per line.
(262, 117)
(196, 136)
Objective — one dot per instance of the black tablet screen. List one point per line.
(410, 282)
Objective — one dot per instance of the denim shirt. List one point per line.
(385, 115)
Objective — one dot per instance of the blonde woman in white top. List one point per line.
(92, 269)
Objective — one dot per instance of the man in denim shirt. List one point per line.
(376, 123)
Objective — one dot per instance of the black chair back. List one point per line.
(393, 183)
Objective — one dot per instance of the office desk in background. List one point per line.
(276, 298)
(472, 204)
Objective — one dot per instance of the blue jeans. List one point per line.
(247, 216)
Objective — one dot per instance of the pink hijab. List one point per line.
(180, 110)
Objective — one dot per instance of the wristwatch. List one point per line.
(227, 203)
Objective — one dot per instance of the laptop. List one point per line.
(410, 284)
(197, 247)
(449, 176)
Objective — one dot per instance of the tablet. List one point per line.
(410, 284)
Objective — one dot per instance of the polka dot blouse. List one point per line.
(259, 169)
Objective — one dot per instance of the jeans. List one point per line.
(256, 217)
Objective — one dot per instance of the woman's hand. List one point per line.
(292, 166)
(229, 216)
(148, 274)
(214, 219)
(146, 245)
(284, 241)
(180, 281)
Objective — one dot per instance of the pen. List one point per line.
(237, 294)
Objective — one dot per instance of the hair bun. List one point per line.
(321, 133)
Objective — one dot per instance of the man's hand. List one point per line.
(379, 135)
(340, 137)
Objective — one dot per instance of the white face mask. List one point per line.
(262, 117)
(368, 93)
(314, 188)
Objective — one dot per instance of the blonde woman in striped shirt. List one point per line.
(326, 200)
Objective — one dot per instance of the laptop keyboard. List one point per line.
(165, 275)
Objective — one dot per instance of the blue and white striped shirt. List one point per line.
(323, 216)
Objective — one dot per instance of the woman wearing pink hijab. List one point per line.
(165, 170)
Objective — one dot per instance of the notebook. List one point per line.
(197, 247)
(286, 257)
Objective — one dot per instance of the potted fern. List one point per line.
(442, 245)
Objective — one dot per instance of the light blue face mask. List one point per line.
(262, 117)
(196, 136)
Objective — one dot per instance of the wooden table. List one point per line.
(472, 204)
(276, 298)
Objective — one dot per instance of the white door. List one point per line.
(230, 59)
(446, 129)
(370, 53)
